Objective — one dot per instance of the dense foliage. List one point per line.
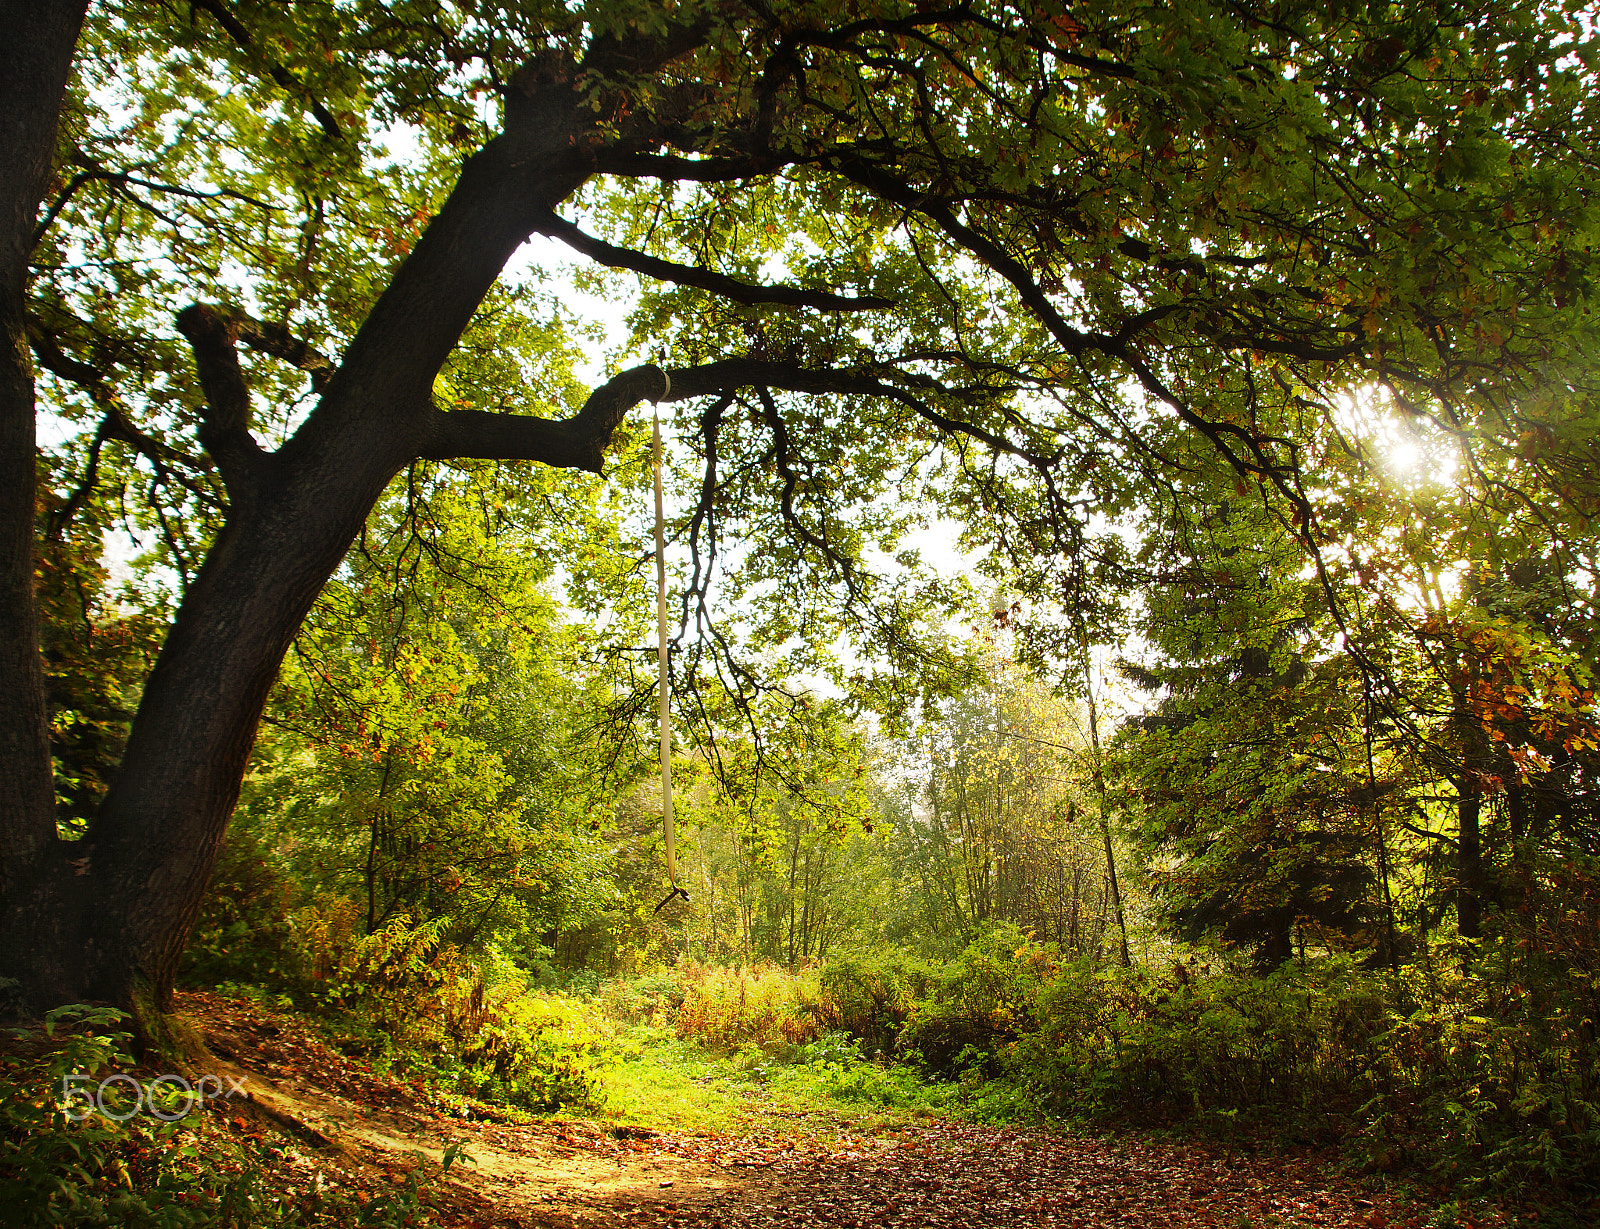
(1136, 476)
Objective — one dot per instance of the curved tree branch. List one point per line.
(275, 70)
(688, 170)
(276, 340)
(881, 183)
(93, 171)
(580, 442)
(45, 343)
(705, 279)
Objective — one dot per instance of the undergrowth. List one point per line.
(414, 1004)
(1487, 1080)
(1464, 1079)
(655, 1077)
(89, 1140)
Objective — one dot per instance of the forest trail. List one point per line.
(336, 1122)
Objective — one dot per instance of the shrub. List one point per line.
(1203, 1038)
(533, 1049)
(651, 999)
(980, 1004)
(850, 1077)
(246, 932)
(871, 995)
(418, 1003)
(1491, 1077)
(765, 1006)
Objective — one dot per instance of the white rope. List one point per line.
(661, 657)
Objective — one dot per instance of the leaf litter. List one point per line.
(352, 1127)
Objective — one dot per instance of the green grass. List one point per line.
(651, 1077)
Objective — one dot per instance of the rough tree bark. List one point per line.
(35, 60)
(106, 918)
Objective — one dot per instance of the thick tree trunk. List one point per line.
(113, 929)
(164, 819)
(35, 60)
(111, 924)
(106, 918)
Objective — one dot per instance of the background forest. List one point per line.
(1244, 861)
(1133, 596)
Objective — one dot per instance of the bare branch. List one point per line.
(687, 170)
(62, 516)
(93, 171)
(838, 561)
(47, 349)
(729, 374)
(879, 182)
(115, 424)
(580, 442)
(277, 71)
(276, 340)
(705, 279)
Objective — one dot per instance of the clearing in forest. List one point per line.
(324, 1119)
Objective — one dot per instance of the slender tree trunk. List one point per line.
(372, 876)
(1476, 761)
(1469, 859)
(1380, 836)
(794, 875)
(1073, 938)
(1105, 821)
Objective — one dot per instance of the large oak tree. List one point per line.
(995, 256)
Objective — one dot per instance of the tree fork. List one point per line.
(106, 918)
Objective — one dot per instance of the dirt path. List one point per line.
(332, 1119)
